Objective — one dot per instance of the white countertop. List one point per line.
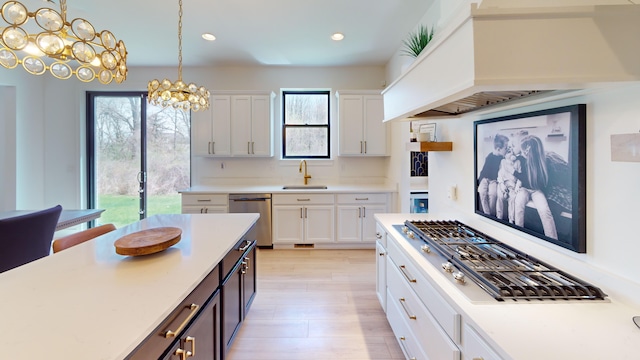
(541, 330)
(88, 302)
(276, 189)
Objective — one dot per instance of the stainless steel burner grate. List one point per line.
(502, 271)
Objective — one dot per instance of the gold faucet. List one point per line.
(306, 176)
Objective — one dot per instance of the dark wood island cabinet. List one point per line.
(210, 316)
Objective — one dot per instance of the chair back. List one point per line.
(80, 237)
(27, 237)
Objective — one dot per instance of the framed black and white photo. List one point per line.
(530, 173)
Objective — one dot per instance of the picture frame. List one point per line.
(538, 160)
(428, 132)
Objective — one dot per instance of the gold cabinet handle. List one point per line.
(404, 307)
(194, 310)
(403, 270)
(192, 340)
(402, 340)
(244, 248)
(183, 354)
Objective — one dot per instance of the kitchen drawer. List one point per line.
(303, 199)
(407, 340)
(157, 342)
(381, 235)
(474, 347)
(205, 199)
(446, 316)
(362, 198)
(425, 328)
(233, 256)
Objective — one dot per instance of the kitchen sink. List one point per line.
(304, 187)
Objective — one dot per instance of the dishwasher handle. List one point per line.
(251, 199)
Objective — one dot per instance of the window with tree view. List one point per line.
(305, 125)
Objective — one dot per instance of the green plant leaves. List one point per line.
(417, 41)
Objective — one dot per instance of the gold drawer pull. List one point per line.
(404, 307)
(410, 278)
(194, 310)
(192, 340)
(402, 340)
(183, 354)
(244, 248)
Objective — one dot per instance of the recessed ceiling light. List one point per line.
(208, 36)
(337, 36)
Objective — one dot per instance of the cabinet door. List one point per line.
(287, 224)
(202, 338)
(232, 307)
(241, 125)
(319, 224)
(348, 228)
(375, 131)
(369, 223)
(201, 129)
(220, 125)
(249, 283)
(381, 275)
(261, 126)
(351, 115)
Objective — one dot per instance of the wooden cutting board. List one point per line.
(148, 241)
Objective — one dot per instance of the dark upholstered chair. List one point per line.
(80, 237)
(27, 237)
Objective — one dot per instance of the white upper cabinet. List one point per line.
(251, 125)
(236, 124)
(212, 128)
(362, 132)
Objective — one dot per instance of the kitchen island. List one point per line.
(88, 302)
(466, 329)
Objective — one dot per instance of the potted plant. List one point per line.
(417, 41)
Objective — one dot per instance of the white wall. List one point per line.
(50, 129)
(612, 187)
(7, 148)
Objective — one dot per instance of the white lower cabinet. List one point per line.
(381, 266)
(355, 221)
(405, 337)
(422, 325)
(426, 324)
(474, 346)
(303, 218)
(205, 203)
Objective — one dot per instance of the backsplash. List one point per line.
(419, 163)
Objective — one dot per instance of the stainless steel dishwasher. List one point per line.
(255, 203)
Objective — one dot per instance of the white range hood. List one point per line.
(488, 56)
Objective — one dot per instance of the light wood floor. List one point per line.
(315, 305)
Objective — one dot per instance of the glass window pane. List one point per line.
(306, 141)
(306, 109)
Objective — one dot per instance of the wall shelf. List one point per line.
(429, 146)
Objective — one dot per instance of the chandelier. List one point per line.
(63, 48)
(178, 95)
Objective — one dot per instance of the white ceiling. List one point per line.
(253, 32)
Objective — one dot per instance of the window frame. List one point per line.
(286, 126)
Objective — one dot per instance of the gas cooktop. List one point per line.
(474, 259)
